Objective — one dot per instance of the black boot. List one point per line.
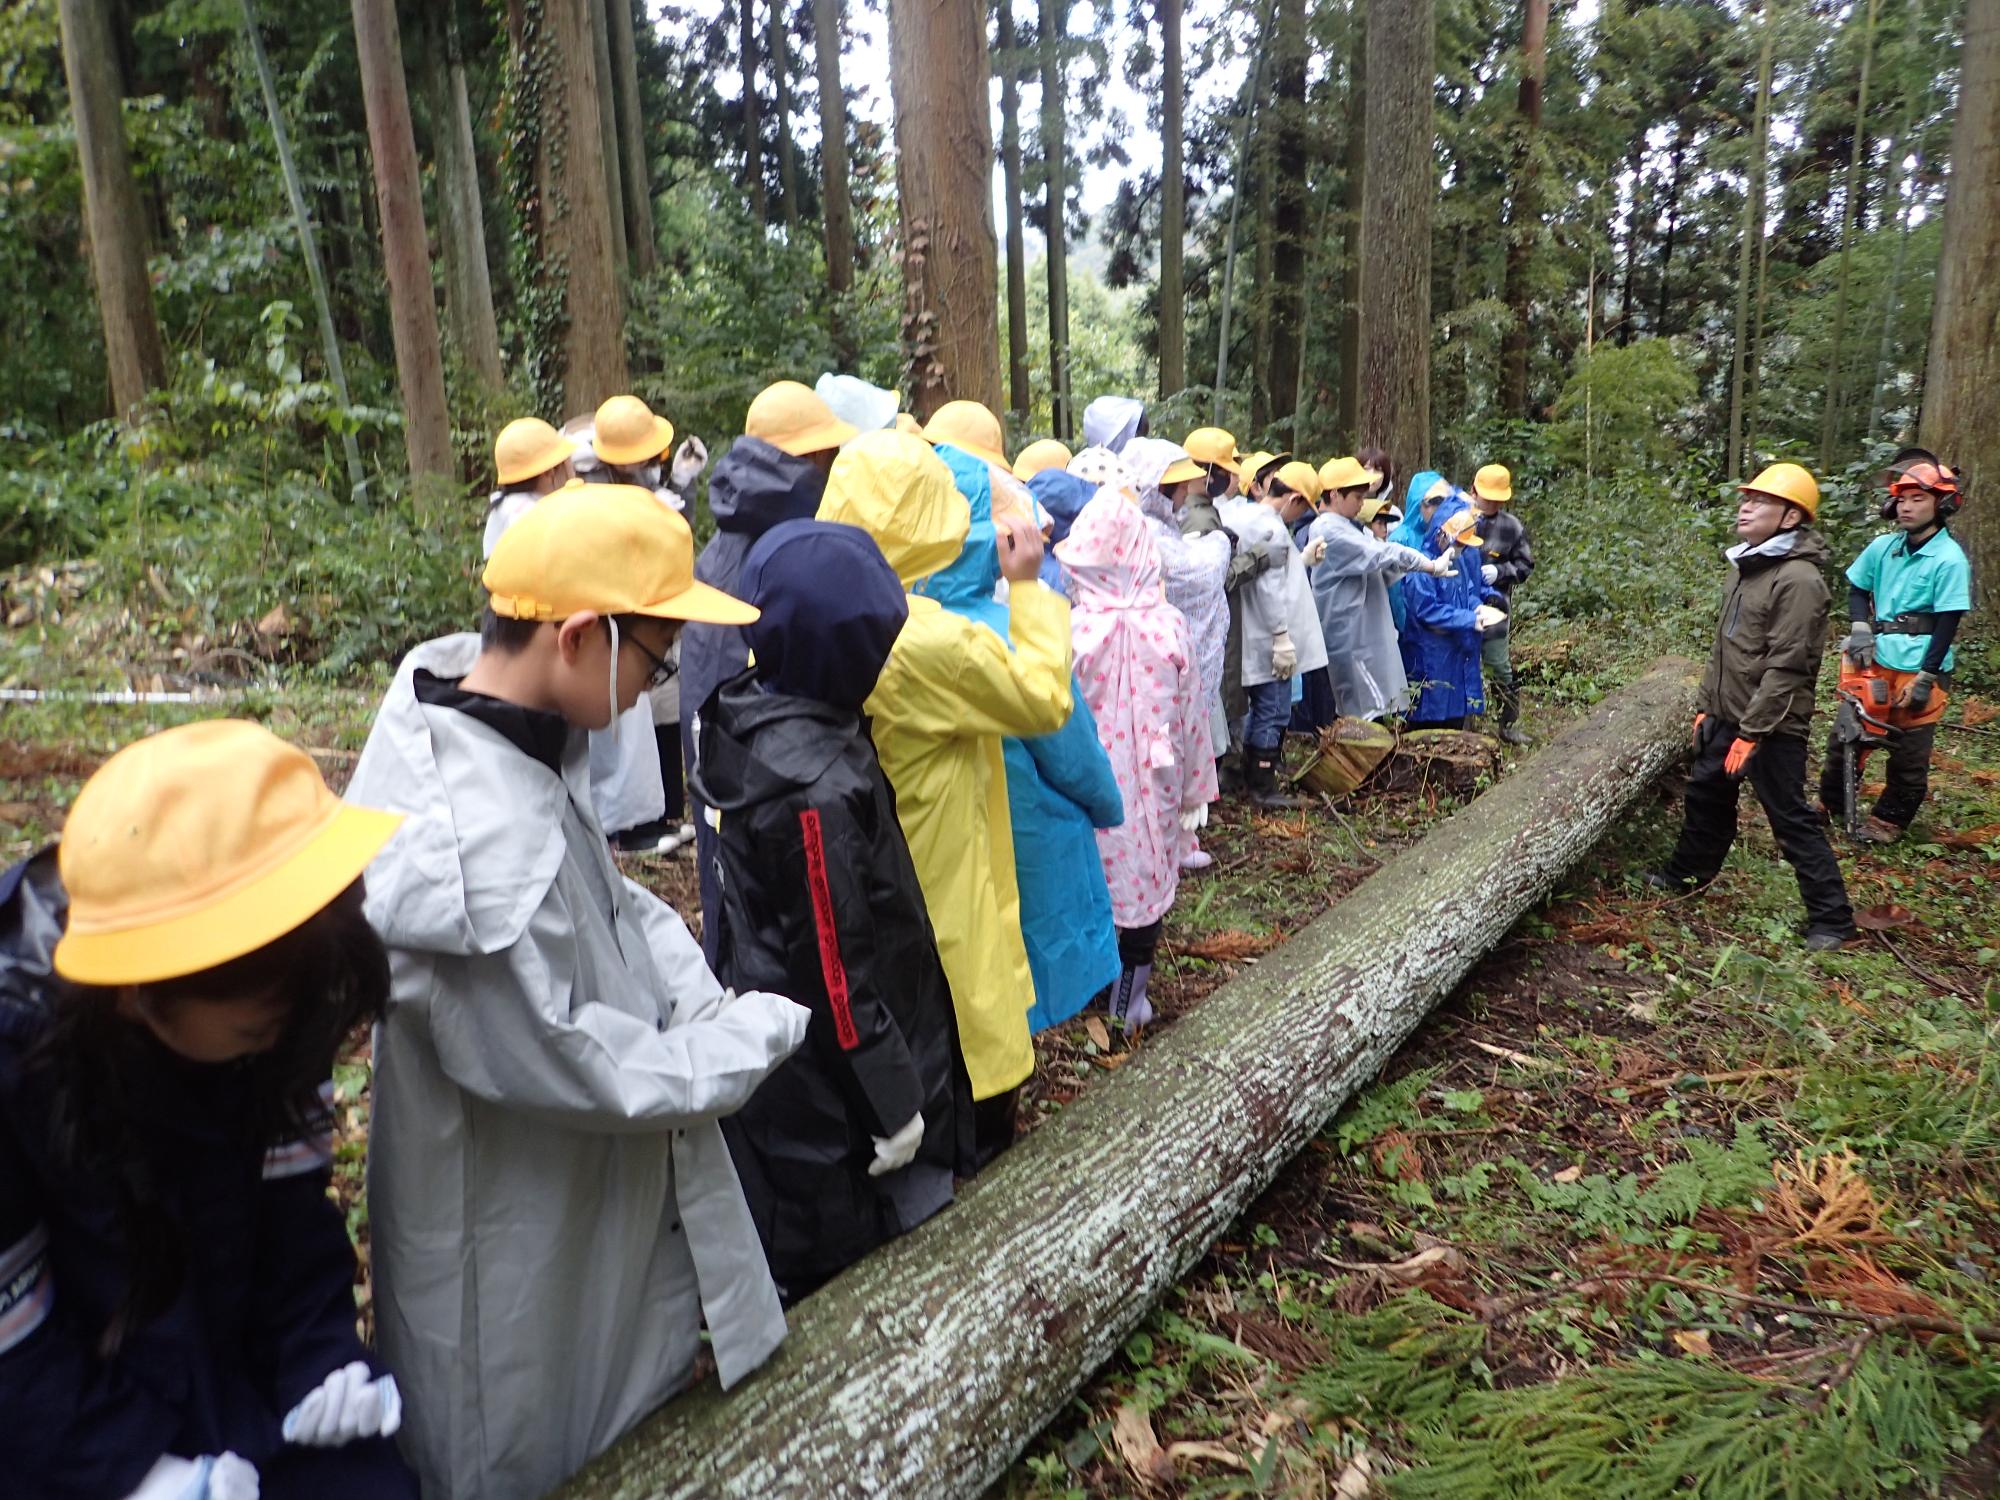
(1260, 775)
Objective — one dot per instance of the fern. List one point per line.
(1386, 1107)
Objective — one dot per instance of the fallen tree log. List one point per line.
(925, 1369)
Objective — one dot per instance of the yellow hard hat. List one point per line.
(793, 419)
(1212, 445)
(199, 845)
(1493, 482)
(1046, 454)
(1300, 476)
(528, 446)
(611, 548)
(1460, 527)
(1347, 474)
(968, 425)
(629, 433)
(1789, 483)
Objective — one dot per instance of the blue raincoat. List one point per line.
(1409, 532)
(1441, 644)
(1062, 495)
(1060, 790)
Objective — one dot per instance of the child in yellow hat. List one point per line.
(530, 459)
(176, 1288)
(552, 1204)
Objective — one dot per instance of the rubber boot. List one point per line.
(1129, 1006)
(1260, 774)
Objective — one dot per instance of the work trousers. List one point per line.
(1906, 780)
(1270, 711)
(1777, 773)
(1501, 695)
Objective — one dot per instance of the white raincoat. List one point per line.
(1351, 590)
(1278, 598)
(552, 1206)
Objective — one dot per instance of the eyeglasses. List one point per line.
(663, 668)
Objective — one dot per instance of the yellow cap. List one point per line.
(628, 432)
(1371, 508)
(1459, 529)
(793, 419)
(1789, 483)
(1347, 474)
(1180, 471)
(1493, 482)
(528, 446)
(199, 845)
(1300, 476)
(610, 548)
(1254, 464)
(1212, 445)
(1046, 454)
(968, 425)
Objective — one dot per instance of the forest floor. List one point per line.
(1654, 1201)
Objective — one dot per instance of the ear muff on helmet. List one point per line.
(1922, 467)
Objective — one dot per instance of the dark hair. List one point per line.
(1378, 459)
(509, 637)
(333, 970)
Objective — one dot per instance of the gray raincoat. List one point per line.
(1351, 588)
(553, 1209)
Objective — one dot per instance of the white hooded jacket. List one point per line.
(552, 1206)
(1279, 598)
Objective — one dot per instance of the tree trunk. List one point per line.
(1018, 397)
(780, 53)
(1524, 210)
(133, 352)
(329, 342)
(753, 111)
(635, 163)
(926, 1368)
(1677, 168)
(1396, 254)
(1635, 164)
(1055, 161)
(1173, 204)
(1962, 376)
(405, 244)
(1354, 170)
(468, 283)
(938, 79)
(1253, 92)
(1289, 227)
(607, 130)
(571, 228)
(1750, 235)
(1829, 431)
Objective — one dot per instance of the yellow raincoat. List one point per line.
(950, 691)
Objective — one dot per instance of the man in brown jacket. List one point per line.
(1757, 702)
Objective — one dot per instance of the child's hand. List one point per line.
(1020, 547)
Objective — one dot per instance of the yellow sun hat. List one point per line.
(1347, 474)
(198, 845)
(1459, 529)
(1302, 477)
(794, 419)
(1213, 445)
(1493, 482)
(1046, 454)
(628, 432)
(971, 426)
(528, 446)
(613, 549)
(1371, 508)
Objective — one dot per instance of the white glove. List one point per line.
(1194, 818)
(1490, 572)
(1315, 550)
(1486, 617)
(348, 1404)
(900, 1149)
(689, 460)
(1441, 567)
(1284, 656)
(224, 1478)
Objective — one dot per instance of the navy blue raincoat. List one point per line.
(1441, 643)
(1063, 496)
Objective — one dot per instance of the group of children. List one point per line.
(951, 727)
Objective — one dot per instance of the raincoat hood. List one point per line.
(1409, 531)
(1112, 422)
(1434, 542)
(896, 489)
(755, 486)
(1063, 496)
(759, 745)
(832, 609)
(1110, 554)
(966, 586)
(1146, 459)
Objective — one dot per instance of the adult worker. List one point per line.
(530, 459)
(1509, 561)
(1756, 703)
(1907, 593)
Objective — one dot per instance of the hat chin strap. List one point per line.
(612, 683)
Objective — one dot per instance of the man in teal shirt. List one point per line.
(1907, 593)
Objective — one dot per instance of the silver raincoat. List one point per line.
(553, 1210)
(1279, 598)
(1351, 589)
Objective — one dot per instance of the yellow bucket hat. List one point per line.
(793, 419)
(1046, 454)
(528, 446)
(968, 425)
(1213, 445)
(1493, 482)
(610, 548)
(198, 845)
(628, 432)
(1347, 474)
